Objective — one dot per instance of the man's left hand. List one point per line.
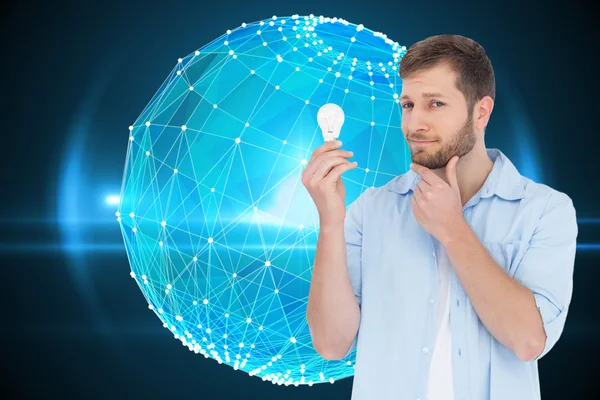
(437, 205)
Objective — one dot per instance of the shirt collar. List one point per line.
(504, 180)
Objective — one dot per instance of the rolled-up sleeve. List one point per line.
(353, 235)
(548, 265)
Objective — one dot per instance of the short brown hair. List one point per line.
(465, 56)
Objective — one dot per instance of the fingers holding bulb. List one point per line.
(324, 166)
(327, 146)
(337, 172)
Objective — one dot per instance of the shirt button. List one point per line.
(425, 350)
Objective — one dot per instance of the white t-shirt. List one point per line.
(441, 386)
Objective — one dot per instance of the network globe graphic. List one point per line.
(219, 231)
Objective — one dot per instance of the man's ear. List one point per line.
(483, 111)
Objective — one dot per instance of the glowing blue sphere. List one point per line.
(219, 230)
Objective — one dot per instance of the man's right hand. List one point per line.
(322, 179)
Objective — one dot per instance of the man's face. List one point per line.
(435, 120)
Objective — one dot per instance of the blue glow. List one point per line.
(588, 220)
(113, 200)
(219, 230)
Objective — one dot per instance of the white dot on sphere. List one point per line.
(353, 39)
(243, 25)
(337, 74)
(131, 214)
(228, 31)
(276, 290)
(306, 101)
(214, 106)
(164, 223)
(212, 189)
(373, 123)
(230, 52)
(248, 320)
(234, 275)
(226, 43)
(175, 170)
(205, 301)
(252, 72)
(178, 72)
(197, 53)
(210, 240)
(183, 127)
(195, 259)
(130, 127)
(117, 213)
(277, 87)
(179, 60)
(285, 142)
(247, 124)
(148, 123)
(147, 153)
(303, 162)
(372, 97)
(255, 208)
(260, 328)
(301, 226)
(131, 138)
(367, 170)
(191, 88)
(297, 68)
(237, 140)
(258, 32)
(346, 90)
(320, 80)
(268, 263)
(134, 229)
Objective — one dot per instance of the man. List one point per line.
(455, 278)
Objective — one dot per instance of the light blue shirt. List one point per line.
(529, 229)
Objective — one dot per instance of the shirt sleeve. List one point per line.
(353, 234)
(548, 264)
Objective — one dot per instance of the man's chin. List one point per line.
(426, 163)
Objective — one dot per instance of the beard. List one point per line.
(461, 144)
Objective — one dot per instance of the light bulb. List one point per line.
(330, 118)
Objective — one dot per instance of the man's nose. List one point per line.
(416, 122)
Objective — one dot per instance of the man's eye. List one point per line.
(406, 104)
(438, 102)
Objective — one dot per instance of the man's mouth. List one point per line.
(423, 142)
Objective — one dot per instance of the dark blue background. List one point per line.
(77, 74)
